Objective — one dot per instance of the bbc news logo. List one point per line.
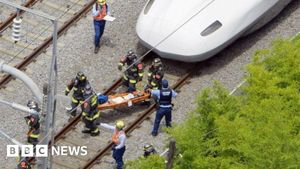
(42, 151)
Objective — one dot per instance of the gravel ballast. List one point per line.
(76, 53)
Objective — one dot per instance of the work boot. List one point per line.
(96, 49)
(154, 134)
(146, 103)
(86, 131)
(96, 133)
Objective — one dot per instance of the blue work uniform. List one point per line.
(99, 12)
(119, 148)
(164, 99)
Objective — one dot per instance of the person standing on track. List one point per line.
(77, 84)
(90, 112)
(134, 70)
(155, 74)
(118, 139)
(99, 11)
(33, 121)
(164, 101)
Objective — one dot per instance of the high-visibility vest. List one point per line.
(102, 13)
(34, 133)
(116, 135)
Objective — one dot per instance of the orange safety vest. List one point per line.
(116, 135)
(101, 14)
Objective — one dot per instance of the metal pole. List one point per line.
(172, 149)
(18, 107)
(50, 110)
(2, 133)
(24, 78)
(50, 115)
(54, 59)
(39, 13)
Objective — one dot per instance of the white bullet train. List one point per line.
(194, 30)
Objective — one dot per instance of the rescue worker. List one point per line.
(77, 84)
(149, 150)
(164, 100)
(99, 11)
(118, 139)
(134, 71)
(33, 122)
(155, 74)
(90, 112)
(23, 163)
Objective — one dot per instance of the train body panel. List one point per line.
(194, 30)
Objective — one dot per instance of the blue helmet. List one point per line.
(165, 83)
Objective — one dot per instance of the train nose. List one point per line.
(165, 26)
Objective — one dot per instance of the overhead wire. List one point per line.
(43, 31)
(169, 35)
(160, 42)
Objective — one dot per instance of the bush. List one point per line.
(151, 162)
(259, 129)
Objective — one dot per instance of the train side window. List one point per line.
(211, 28)
(148, 6)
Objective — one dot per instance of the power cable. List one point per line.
(169, 35)
(42, 32)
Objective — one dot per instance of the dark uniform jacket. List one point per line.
(78, 88)
(155, 76)
(135, 72)
(90, 110)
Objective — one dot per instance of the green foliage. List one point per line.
(151, 162)
(259, 129)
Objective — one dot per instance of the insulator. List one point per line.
(16, 28)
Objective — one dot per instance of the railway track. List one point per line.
(37, 34)
(137, 122)
(24, 52)
(76, 135)
(98, 147)
(9, 20)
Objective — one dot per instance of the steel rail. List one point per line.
(138, 121)
(9, 20)
(61, 134)
(70, 126)
(30, 58)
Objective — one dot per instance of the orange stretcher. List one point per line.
(124, 99)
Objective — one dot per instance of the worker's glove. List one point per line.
(148, 90)
(130, 77)
(82, 118)
(27, 119)
(120, 67)
(66, 93)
